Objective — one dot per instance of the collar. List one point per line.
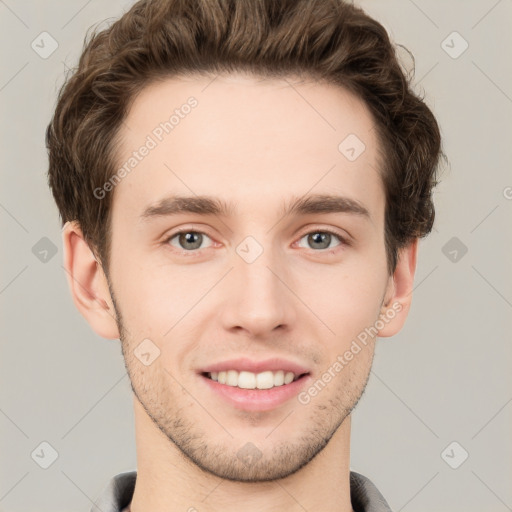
(118, 492)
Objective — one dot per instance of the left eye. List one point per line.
(322, 238)
(192, 240)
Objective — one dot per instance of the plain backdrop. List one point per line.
(440, 390)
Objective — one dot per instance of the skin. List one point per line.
(256, 143)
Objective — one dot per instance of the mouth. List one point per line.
(253, 392)
(254, 381)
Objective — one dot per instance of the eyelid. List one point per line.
(187, 229)
(342, 235)
(345, 239)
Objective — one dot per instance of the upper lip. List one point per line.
(244, 364)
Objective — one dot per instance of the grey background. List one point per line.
(445, 377)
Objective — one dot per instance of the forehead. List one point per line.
(250, 142)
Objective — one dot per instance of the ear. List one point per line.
(398, 297)
(88, 283)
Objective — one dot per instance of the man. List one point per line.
(243, 187)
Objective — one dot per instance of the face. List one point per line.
(198, 289)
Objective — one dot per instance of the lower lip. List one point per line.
(257, 399)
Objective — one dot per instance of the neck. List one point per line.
(168, 481)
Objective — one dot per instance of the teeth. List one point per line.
(249, 380)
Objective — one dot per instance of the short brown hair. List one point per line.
(327, 40)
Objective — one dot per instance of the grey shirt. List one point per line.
(117, 494)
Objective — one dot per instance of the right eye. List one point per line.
(188, 240)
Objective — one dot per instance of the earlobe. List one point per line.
(399, 293)
(88, 283)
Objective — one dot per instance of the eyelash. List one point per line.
(194, 252)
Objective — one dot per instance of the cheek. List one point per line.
(147, 302)
(347, 299)
(162, 304)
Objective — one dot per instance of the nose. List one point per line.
(259, 298)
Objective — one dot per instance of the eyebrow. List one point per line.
(207, 205)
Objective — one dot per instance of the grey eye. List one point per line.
(320, 239)
(188, 240)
